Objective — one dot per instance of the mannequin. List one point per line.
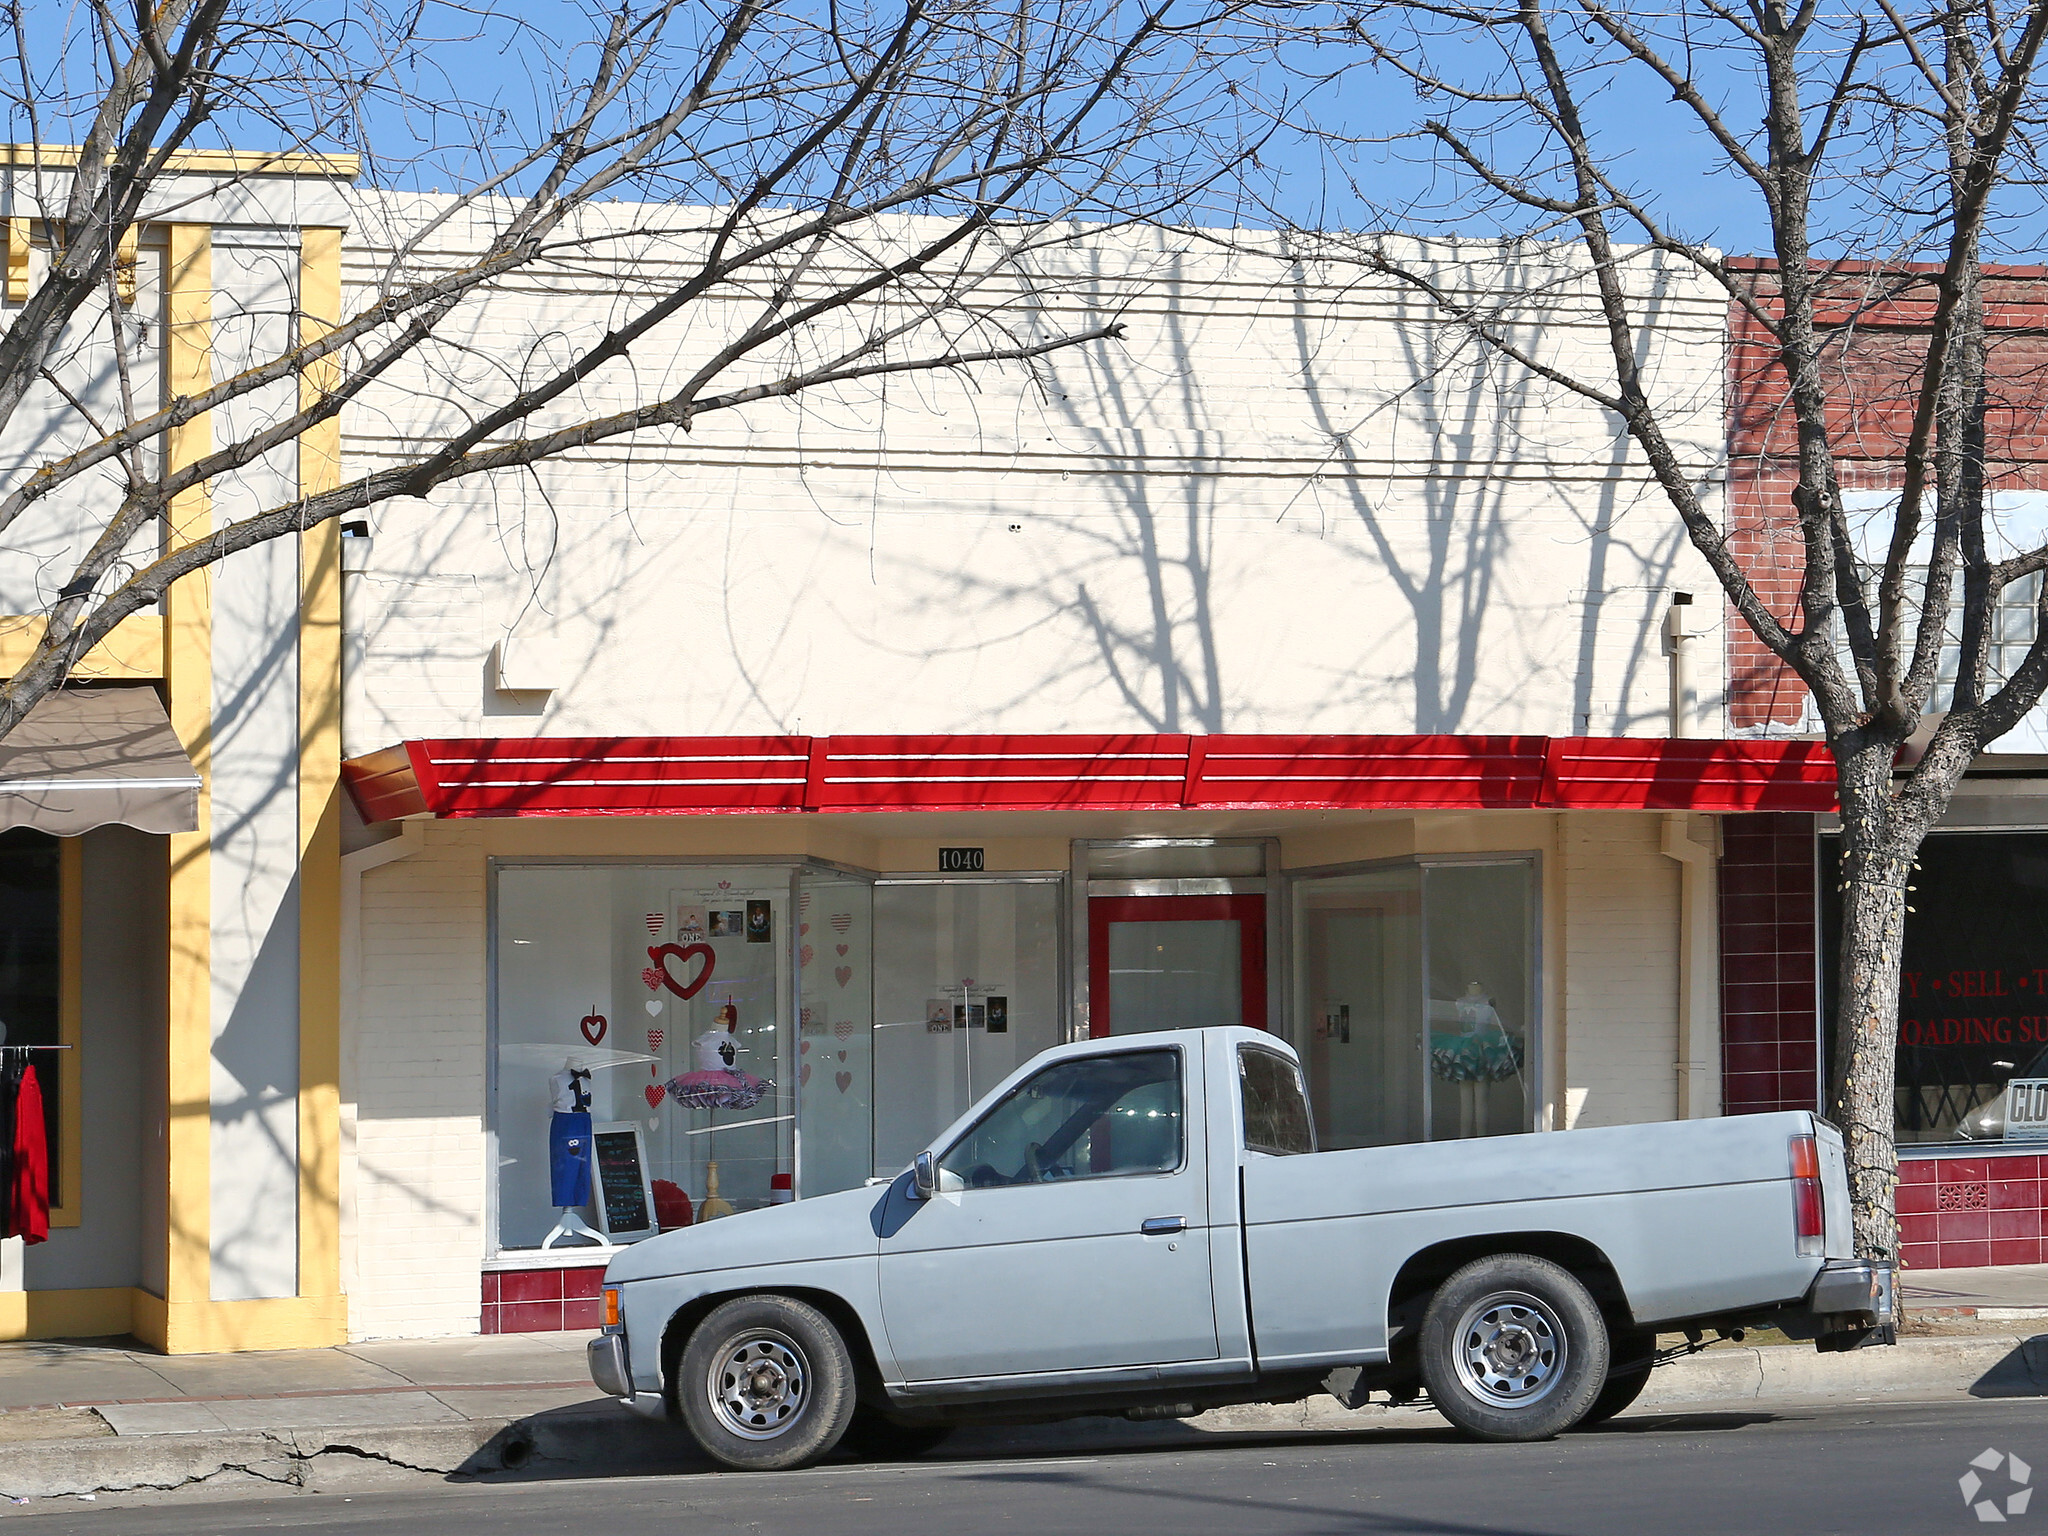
(1477, 1021)
(570, 1160)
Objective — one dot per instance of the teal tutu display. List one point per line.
(1491, 1057)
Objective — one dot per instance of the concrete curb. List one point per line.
(601, 1439)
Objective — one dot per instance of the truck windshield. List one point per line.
(1276, 1115)
(1095, 1117)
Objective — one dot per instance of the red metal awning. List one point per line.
(726, 775)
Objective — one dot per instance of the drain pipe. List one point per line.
(1699, 966)
(1681, 626)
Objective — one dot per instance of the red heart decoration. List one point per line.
(843, 1079)
(655, 1094)
(803, 1076)
(804, 1049)
(842, 974)
(805, 957)
(841, 948)
(843, 1028)
(842, 1055)
(659, 954)
(803, 929)
(593, 1027)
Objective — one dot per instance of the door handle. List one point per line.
(1160, 1226)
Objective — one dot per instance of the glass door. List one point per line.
(1175, 962)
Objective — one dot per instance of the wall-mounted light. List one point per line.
(356, 544)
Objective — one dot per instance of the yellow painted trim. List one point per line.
(205, 1327)
(126, 260)
(70, 1031)
(188, 672)
(319, 797)
(18, 240)
(133, 652)
(80, 1314)
(203, 161)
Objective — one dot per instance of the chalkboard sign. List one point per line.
(625, 1206)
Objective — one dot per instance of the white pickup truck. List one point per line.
(1143, 1226)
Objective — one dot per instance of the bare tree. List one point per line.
(824, 195)
(1885, 149)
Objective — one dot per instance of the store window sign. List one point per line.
(2026, 1109)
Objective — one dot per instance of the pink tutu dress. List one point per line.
(717, 1083)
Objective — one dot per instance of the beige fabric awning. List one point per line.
(88, 757)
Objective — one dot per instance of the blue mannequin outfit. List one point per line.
(569, 1139)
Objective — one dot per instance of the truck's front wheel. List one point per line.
(765, 1383)
(1513, 1348)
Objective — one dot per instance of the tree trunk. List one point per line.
(1878, 848)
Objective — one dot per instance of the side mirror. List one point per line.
(924, 1176)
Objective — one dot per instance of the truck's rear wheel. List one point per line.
(765, 1383)
(1513, 1348)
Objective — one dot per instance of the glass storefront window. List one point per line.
(967, 988)
(835, 1033)
(1415, 990)
(646, 998)
(1973, 993)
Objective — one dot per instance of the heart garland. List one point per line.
(843, 1079)
(660, 953)
(655, 1092)
(656, 921)
(842, 974)
(842, 950)
(841, 921)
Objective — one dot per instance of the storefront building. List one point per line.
(170, 864)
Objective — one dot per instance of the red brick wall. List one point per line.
(1872, 377)
(1769, 1055)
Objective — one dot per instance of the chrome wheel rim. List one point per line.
(1511, 1349)
(758, 1384)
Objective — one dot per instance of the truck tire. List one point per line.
(765, 1383)
(875, 1436)
(1629, 1356)
(1513, 1348)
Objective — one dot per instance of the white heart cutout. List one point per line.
(654, 1006)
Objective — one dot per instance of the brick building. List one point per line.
(1979, 925)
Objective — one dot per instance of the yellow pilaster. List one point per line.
(188, 677)
(320, 805)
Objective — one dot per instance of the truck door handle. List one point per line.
(1159, 1226)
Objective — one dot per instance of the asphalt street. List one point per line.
(1855, 1468)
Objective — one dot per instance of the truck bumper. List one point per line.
(1851, 1303)
(608, 1368)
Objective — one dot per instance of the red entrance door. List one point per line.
(1175, 962)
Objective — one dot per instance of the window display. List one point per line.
(836, 1058)
(967, 989)
(1415, 989)
(1973, 1004)
(660, 996)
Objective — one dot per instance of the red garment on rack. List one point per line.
(28, 1208)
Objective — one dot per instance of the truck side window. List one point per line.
(1092, 1118)
(1275, 1109)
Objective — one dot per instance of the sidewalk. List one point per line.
(87, 1417)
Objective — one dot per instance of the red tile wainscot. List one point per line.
(542, 1300)
(1769, 1019)
(1960, 1212)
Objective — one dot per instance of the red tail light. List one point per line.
(1809, 1214)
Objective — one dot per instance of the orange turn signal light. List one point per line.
(611, 1308)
